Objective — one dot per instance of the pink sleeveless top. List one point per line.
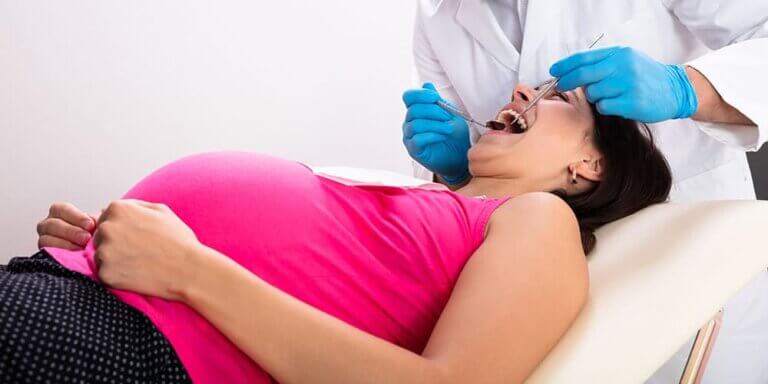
(383, 259)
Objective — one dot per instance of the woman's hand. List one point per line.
(65, 227)
(145, 248)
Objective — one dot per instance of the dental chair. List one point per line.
(656, 277)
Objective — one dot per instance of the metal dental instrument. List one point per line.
(552, 84)
(491, 124)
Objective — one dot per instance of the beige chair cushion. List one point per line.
(656, 277)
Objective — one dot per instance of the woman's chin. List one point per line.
(484, 152)
(496, 141)
(500, 137)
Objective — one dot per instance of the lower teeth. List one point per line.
(517, 127)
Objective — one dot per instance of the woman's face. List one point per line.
(558, 133)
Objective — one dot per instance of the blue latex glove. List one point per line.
(434, 137)
(625, 82)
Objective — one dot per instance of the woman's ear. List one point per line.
(591, 169)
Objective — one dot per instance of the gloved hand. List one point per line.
(434, 137)
(625, 82)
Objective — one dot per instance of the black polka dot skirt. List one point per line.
(58, 326)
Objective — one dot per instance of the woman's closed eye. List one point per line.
(561, 95)
(554, 93)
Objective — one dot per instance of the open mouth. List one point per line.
(513, 121)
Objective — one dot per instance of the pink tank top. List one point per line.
(383, 259)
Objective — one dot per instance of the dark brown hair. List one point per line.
(635, 175)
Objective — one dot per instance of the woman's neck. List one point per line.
(495, 187)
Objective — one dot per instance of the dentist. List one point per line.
(695, 70)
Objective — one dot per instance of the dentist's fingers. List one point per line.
(420, 96)
(421, 141)
(427, 111)
(423, 126)
(585, 75)
(70, 214)
(612, 107)
(602, 90)
(580, 59)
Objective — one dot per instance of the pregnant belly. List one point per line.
(246, 206)
(230, 199)
(309, 237)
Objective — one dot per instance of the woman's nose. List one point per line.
(523, 92)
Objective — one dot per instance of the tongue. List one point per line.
(517, 127)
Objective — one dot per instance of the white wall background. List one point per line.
(94, 94)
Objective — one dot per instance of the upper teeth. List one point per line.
(509, 116)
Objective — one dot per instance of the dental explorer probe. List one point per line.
(552, 84)
(495, 125)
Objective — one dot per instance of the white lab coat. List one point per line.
(459, 46)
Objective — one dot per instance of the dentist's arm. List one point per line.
(737, 33)
(497, 326)
(453, 187)
(625, 82)
(725, 85)
(433, 160)
(712, 107)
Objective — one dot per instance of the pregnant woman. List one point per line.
(244, 268)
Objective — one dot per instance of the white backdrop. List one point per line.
(94, 94)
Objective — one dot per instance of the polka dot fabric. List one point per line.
(58, 326)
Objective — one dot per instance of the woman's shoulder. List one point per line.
(539, 215)
(538, 226)
(535, 206)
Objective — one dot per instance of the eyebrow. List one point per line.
(569, 97)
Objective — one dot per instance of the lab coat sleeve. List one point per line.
(428, 69)
(737, 33)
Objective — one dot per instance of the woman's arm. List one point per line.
(516, 296)
(293, 341)
(514, 299)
